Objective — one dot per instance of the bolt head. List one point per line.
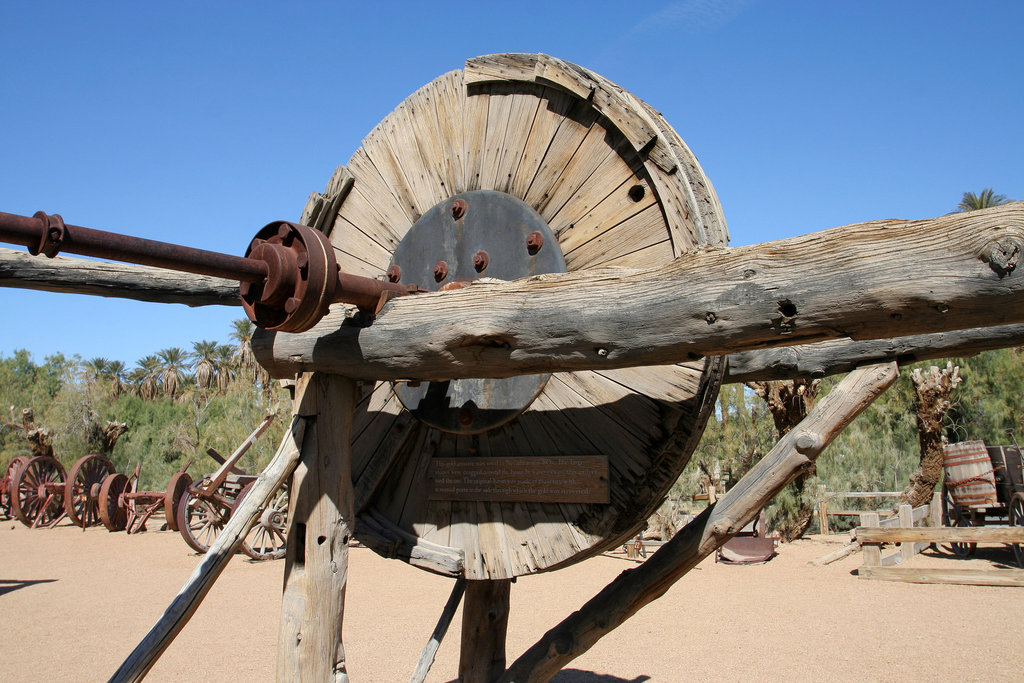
(458, 208)
(480, 261)
(394, 273)
(534, 242)
(440, 271)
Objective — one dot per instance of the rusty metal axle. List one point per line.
(288, 277)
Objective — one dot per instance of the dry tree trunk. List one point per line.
(789, 401)
(39, 440)
(932, 391)
(111, 433)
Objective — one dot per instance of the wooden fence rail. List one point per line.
(826, 498)
(873, 533)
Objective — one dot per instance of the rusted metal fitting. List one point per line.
(458, 208)
(394, 273)
(480, 261)
(534, 242)
(440, 271)
(52, 234)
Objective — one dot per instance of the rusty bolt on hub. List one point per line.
(458, 209)
(394, 273)
(466, 415)
(440, 271)
(480, 261)
(534, 242)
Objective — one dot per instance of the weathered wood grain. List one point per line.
(637, 587)
(962, 274)
(320, 523)
(983, 534)
(484, 625)
(121, 280)
(836, 356)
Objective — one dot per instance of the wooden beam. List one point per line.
(944, 534)
(426, 659)
(865, 281)
(808, 361)
(965, 577)
(121, 280)
(637, 587)
(320, 523)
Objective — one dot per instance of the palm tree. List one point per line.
(987, 198)
(94, 369)
(172, 369)
(149, 384)
(226, 362)
(205, 363)
(115, 370)
(244, 357)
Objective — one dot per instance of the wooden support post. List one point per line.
(935, 511)
(484, 624)
(822, 510)
(907, 550)
(321, 520)
(871, 555)
(637, 587)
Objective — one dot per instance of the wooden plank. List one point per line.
(662, 252)
(608, 213)
(419, 674)
(592, 151)
(521, 116)
(449, 102)
(501, 67)
(644, 229)
(499, 107)
(560, 479)
(984, 534)
(552, 108)
(429, 140)
(474, 132)
(371, 184)
(962, 577)
(571, 132)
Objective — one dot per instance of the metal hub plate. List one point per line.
(473, 235)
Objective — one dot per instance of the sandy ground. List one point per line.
(74, 603)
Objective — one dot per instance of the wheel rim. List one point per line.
(37, 497)
(200, 521)
(7, 485)
(267, 538)
(112, 510)
(176, 488)
(81, 498)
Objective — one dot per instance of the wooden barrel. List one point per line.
(594, 453)
(969, 475)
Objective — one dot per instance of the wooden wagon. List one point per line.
(983, 485)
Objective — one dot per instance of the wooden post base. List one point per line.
(484, 625)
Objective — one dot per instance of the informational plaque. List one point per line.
(559, 479)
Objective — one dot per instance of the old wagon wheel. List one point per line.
(37, 495)
(113, 508)
(957, 516)
(575, 172)
(200, 519)
(7, 485)
(176, 489)
(267, 538)
(1016, 515)
(81, 498)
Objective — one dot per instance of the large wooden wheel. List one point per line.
(617, 187)
(7, 485)
(37, 496)
(82, 496)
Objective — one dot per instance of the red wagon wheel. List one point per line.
(267, 538)
(200, 520)
(82, 495)
(176, 489)
(112, 508)
(7, 485)
(37, 493)
(1017, 519)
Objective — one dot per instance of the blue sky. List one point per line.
(199, 122)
